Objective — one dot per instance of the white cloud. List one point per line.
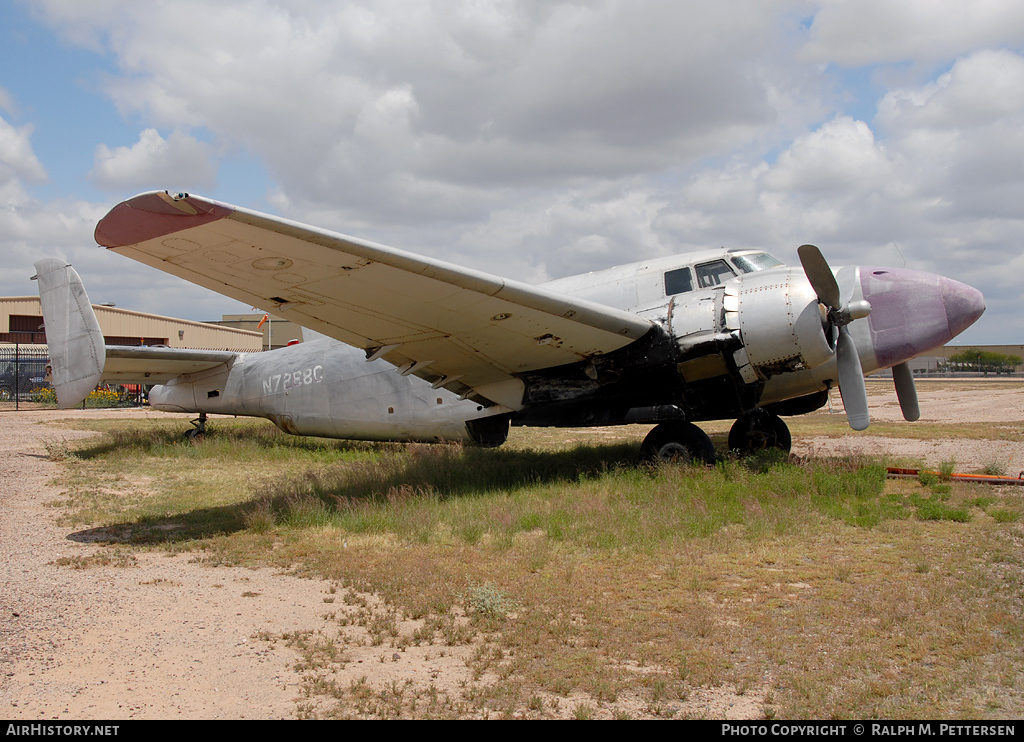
(944, 185)
(476, 92)
(154, 161)
(552, 235)
(17, 160)
(31, 229)
(872, 31)
(986, 86)
(6, 101)
(842, 156)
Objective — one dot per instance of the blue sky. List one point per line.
(528, 139)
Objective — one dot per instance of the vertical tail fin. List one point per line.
(77, 353)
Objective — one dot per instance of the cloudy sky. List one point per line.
(531, 139)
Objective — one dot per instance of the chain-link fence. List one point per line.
(23, 383)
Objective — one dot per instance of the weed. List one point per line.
(261, 518)
(103, 558)
(946, 470)
(1005, 516)
(934, 509)
(488, 601)
(584, 712)
(59, 450)
(994, 468)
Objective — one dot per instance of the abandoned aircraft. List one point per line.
(421, 350)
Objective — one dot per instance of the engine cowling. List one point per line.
(782, 325)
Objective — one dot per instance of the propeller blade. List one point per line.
(906, 392)
(851, 381)
(820, 275)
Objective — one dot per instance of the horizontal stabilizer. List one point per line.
(130, 364)
(72, 332)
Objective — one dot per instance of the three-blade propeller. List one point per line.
(851, 376)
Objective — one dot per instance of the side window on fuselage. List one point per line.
(678, 281)
(714, 273)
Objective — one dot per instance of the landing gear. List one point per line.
(677, 441)
(198, 428)
(758, 430)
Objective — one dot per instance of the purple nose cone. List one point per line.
(914, 312)
(964, 305)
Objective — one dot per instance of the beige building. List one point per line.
(277, 332)
(1009, 350)
(21, 321)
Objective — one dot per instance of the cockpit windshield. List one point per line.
(755, 261)
(716, 272)
(713, 273)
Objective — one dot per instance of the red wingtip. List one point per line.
(155, 214)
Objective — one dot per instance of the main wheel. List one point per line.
(677, 441)
(758, 430)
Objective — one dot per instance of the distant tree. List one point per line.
(974, 359)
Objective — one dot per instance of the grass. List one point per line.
(576, 584)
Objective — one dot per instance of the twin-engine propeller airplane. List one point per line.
(431, 351)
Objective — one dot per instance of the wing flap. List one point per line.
(449, 321)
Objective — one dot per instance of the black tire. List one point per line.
(757, 431)
(679, 442)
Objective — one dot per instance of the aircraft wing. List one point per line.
(468, 331)
(148, 365)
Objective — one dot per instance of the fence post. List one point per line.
(17, 377)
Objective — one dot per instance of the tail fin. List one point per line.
(77, 353)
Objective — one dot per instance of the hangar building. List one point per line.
(21, 321)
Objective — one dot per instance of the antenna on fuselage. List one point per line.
(898, 252)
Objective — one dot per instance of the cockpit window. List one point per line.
(678, 281)
(758, 261)
(712, 274)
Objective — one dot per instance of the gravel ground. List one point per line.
(170, 638)
(167, 638)
(998, 403)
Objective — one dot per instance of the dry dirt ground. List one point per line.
(941, 402)
(172, 638)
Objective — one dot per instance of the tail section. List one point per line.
(77, 353)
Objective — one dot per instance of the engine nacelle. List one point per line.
(782, 325)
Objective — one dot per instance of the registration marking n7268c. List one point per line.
(293, 379)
